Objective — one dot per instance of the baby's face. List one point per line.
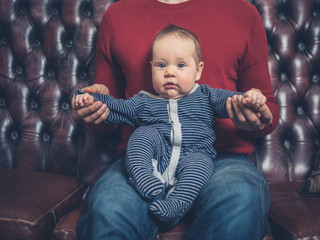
(174, 69)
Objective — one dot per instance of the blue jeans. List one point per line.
(232, 205)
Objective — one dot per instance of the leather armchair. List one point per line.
(49, 158)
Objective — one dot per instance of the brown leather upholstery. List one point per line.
(32, 202)
(47, 50)
(292, 28)
(48, 155)
(294, 216)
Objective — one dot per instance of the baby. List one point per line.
(171, 151)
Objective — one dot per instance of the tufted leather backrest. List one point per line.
(47, 50)
(293, 32)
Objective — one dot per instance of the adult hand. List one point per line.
(97, 112)
(247, 118)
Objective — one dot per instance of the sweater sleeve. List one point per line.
(253, 70)
(107, 70)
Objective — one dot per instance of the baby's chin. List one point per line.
(172, 94)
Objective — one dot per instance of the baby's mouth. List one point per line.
(170, 85)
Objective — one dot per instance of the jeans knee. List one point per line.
(240, 191)
(233, 204)
(115, 211)
(250, 197)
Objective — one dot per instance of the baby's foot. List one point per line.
(169, 211)
(147, 185)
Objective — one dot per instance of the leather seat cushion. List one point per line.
(32, 209)
(293, 215)
(66, 228)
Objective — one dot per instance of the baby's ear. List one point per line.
(199, 70)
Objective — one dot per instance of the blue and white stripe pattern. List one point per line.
(177, 130)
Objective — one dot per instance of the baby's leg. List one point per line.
(193, 172)
(144, 144)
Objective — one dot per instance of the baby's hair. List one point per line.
(184, 34)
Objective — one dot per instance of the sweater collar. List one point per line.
(157, 4)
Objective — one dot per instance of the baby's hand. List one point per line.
(254, 98)
(84, 100)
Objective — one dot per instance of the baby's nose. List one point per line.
(169, 72)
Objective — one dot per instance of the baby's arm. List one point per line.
(83, 100)
(120, 111)
(254, 98)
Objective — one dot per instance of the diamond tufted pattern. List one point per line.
(287, 155)
(47, 51)
(293, 32)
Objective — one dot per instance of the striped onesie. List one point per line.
(172, 148)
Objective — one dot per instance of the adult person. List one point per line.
(172, 149)
(234, 203)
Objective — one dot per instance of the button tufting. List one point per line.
(51, 74)
(2, 102)
(287, 144)
(283, 77)
(301, 46)
(14, 135)
(19, 70)
(36, 43)
(315, 78)
(300, 111)
(4, 41)
(282, 17)
(69, 43)
(87, 12)
(34, 104)
(46, 137)
(55, 11)
(65, 106)
(23, 10)
(83, 75)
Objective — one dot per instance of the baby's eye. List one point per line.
(181, 65)
(160, 65)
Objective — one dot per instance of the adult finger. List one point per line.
(238, 108)
(97, 88)
(93, 113)
(265, 114)
(229, 108)
(73, 102)
(102, 115)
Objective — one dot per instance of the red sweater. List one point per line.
(234, 50)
